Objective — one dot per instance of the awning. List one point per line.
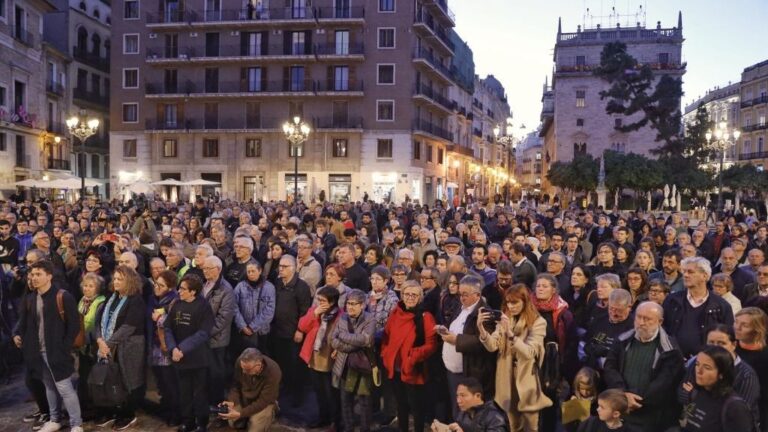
(451, 185)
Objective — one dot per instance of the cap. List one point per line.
(452, 240)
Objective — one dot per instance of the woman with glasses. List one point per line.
(450, 301)
(399, 276)
(722, 285)
(88, 307)
(353, 340)
(380, 302)
(519, 341)
(658, 290)
(636, 283)
(93, 264)
(163, 298)
(409, 340)
(334, 278)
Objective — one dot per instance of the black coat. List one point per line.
(718, 311)
(59, 336)
(477, 362)
(660, 409)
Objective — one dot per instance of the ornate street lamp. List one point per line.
(721, 142)
(82, 129)
(296, 133)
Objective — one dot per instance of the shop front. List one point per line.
(340, 187)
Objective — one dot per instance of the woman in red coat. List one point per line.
(409, 340)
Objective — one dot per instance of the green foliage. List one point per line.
(744, 178)
(632, 91)
(631, 171)
(578, 175)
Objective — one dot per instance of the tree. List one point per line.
(744, 180)
(578, 175)
(634, 89)
(631, 171)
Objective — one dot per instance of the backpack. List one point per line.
(79, 341)
(548, 368)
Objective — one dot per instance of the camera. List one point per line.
(495, 314)
(220, 409)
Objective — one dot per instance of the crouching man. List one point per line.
(252, 402)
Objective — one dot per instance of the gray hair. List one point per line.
(472, 281)
(620, 297)
(303, 239)
(289, 259)
(611, 278)
(251, 355)
(405, 253)
(497, 247)
(701, 263)
(156, 259)
(130, 256)
(356, 295)
(214, 261)
(653, 305)
(245, 241)
(208, 250)
(38, 253)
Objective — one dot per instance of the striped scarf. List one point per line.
(109, 319)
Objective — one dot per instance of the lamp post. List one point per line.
(507, 140)
(722, 140)
(82, 129)
(296, 133)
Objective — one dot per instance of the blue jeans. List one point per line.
(66, 391)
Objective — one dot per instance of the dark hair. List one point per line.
(169, 277)
(673, 253)
(194, 283)
(725, 329)
(505, 267)
(724, 363)
(480, 246)
(472, 384)
(429, 253)
(518, 249)
(331, 294)
(44, 265)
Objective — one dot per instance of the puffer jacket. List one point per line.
(350, 335)
(487, 417)
(222, 301)
(255, 306)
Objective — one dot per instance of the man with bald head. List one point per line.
(647, 365)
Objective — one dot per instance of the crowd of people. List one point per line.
(410, 317)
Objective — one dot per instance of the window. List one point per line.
(170, 148)
(251, 44)
(211, 80)
(130, 78)
(417, 150)
(298, 41)
(3, 95)
(386, 74)
(386, 5)
(211, 116)
(297, 78)
(579, 122)
(342, 42)
(430, 149)
(384, 148)
(440, 156)
(760, 142)
(171, 45)
(130, 113)
(664, 58)
(253, 79)
(95, 171)
(170, 113)
(617, 123)
(131, 43)
(253, 147)
(3, 142)
(340, 148)
(252, 115)
(3, 5)
(385, 110)
(747, 147)
(578, 148)
(341, 78)
(296, 151)
(581, 60)
(581, 96)
(129, 148)
(386, 38)
(210, 148)
(131, 10)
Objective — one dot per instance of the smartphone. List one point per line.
(442, 330)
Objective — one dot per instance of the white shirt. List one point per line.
(453, 360)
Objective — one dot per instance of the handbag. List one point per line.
(105, 382)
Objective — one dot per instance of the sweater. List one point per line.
(188, 326)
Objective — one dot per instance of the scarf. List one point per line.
(546, 306)
(324, 320)
(85, 304)
(418, 321)
(110, 319)
(253, 284)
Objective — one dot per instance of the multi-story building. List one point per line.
(754, 105)
(461, 154)
(490, 110)
(580, 122)
(722, 105)
(547, 134)
(23, 96)
(529, 164)
(206, 85)
(82, 28)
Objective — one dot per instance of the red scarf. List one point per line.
(547, 306)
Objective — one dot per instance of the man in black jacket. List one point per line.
(292, 300)
(46, 338)
(355, 275)
(477, 414)
(647, 365)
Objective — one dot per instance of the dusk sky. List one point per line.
(514, 40)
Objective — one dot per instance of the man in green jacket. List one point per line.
(253, 397)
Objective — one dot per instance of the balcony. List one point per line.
(239, 52)
(170, 17)
(442, 10)
(754, 127)
(341, 87)
(428, 93)
(58, 164)
(420, 55)
(23, 35)
(56, 128)
(90, 59)
(477, 132)
(337, 123)
(331, 51)
(462, 150)
(102, 101)
(245, 88)
(192, 124)
(755, 155)
(756, 101)
(54, 88)
(426, 25)
(227, 17)
(588, 69)
(603, 36)
(432, 129)
(340, 14)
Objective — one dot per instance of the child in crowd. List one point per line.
(612, 405)
(584, 389)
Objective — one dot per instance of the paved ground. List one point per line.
(15, 403)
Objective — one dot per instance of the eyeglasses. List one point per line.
(351, 303)
(466, 294)
(411, 295)
(284, 266)
(426, 277)
(398, 274)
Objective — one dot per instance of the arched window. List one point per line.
(96, 13)
(82, 6)
(96, 39)
(82, 40)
